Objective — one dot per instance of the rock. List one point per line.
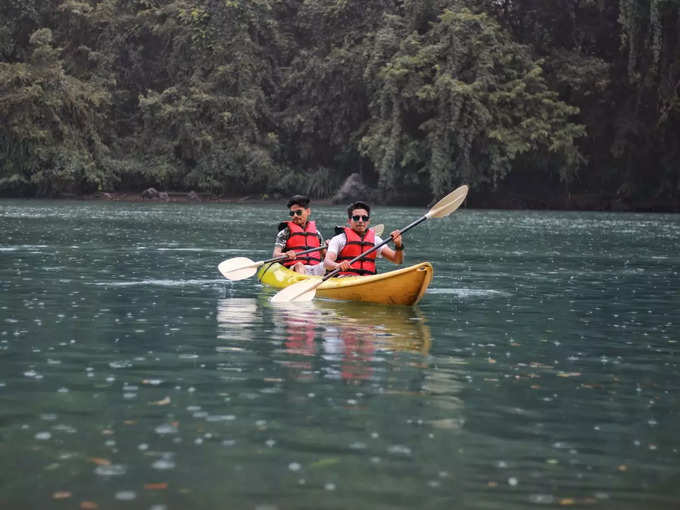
(150, 193)
(353, 189)
(163, 196)
(107, 196)
(193, 196)
(619, 205)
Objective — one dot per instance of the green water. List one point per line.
(541, 368)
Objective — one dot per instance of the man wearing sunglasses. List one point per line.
(297, 235)
(358, 238)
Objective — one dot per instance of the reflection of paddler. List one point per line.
(300, 335)
(299, 325)
(357, 354)
(352, 334)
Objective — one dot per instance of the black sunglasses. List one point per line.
(356, 217)
(296, 211)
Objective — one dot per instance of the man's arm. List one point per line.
(280, 244)
(396, 256)
(334, 247)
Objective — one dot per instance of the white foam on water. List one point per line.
(205, 250)
(160, 283)
(126, 495)
(20, 247)
(467, 292)
(163, 464)
(110, 470)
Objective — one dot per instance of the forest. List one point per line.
(533, 103)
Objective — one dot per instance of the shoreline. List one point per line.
(172, 197)
(483, 200)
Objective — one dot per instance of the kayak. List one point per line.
(400, 287)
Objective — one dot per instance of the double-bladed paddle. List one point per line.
(239, 268)
(306, 290)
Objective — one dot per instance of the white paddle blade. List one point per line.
(238, 268)
(449, 203)
(298, 292)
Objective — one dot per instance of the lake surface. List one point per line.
(541, 369)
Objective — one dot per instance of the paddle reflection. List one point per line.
(348, 335)
(235, 318)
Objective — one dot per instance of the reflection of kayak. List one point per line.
(400, 287)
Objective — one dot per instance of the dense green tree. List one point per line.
(49, 140)
(458, 103)
(648, 123)
(235, 96)
(324, 101)
(619, 62)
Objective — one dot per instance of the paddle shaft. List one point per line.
(376, 247)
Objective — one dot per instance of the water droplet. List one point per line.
(163, 464)
(110, 470)
(126, 495)
(542, 499)
(166, 429)
(398, 449)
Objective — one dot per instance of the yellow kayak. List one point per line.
(400, 287)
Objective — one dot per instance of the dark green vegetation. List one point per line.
(575, 102)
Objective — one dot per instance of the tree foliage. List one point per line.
(459, 103)
(234, 96)
(619, 62)
(50, 138)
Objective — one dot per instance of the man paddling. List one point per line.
(297, 235)
(358, 238)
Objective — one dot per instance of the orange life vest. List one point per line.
(302, 239)
(354, 247)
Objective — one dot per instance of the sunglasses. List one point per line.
(296, 211)
(356, 217)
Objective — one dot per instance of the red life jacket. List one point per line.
(354, 247)
(300, 240)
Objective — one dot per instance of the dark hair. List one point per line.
(358, 205)
(301, 200)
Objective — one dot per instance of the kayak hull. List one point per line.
(400, 287)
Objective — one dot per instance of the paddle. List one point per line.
(306, 290)
(239, 268)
